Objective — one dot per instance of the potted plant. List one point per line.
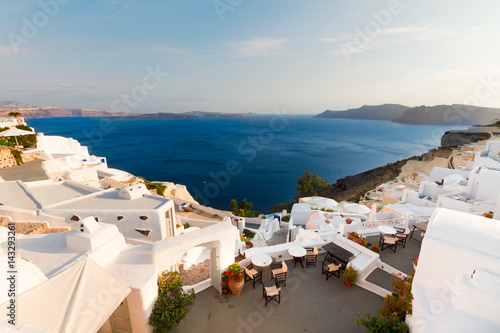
(236, 278)
(355, 237)
(348, 221)
(415, 262)
(350, 275)
(488, 215)
(224, 277)
(375, 248)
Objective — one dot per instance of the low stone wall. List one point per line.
(7, 160)
(31, 155)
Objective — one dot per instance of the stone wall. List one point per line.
(31, 155)
(7, 160)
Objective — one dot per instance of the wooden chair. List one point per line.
(280, 280)
(388, 243)
(402, 235)
(252, 275)
(271, 294)
(311, 256)
(279, 269)
(330, 267)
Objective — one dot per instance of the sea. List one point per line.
(258, 158)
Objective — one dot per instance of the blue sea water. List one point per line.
(258, 158)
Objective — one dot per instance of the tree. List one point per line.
(244, 208)
(172, 304)
(310, 184)
(14, 114)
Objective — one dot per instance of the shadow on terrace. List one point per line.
(309, 303)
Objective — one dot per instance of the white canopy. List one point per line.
(357, 208)
(79, 299)
(325, 202)
(14, 131)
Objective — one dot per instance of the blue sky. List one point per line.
(249, 55)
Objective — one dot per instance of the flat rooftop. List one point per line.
(12, 194)
(52, 193)
(109, 200)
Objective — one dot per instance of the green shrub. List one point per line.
(382, 324)
(159, 187)
(286, 218)
(6, 143)
(248, 234)
(24, 127)
(18, 156)
(172, 304)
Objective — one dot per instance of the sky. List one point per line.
(249, 55)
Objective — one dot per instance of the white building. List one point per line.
(456, 287)
(138, 214)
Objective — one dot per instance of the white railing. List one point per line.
(378, 223)
(392, 222)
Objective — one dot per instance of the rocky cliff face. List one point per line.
(456, 138)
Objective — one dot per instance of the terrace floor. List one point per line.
(309, 303)
(27, 172)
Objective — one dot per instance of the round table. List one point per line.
(297, 252)
(387, 230)
(261, 262)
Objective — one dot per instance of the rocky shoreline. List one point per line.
(351, 188)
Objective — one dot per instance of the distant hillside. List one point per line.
(202, 114)
(33, 111)
(161, 115)
(448, 114)
(369, 112)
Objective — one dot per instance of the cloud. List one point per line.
(259, 47)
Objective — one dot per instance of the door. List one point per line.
(120, 319)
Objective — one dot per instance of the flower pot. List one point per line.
(348, 221)
(414, 267)
(236, 287)
(354, 239)
(248, 244)
(347, 284)
(225, 291)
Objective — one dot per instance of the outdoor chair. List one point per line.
(280, 280)
(311, 256)
(271, 294)
(330, 267)
(279, 268)
(402, 235)
(252, 275)
(388, 243)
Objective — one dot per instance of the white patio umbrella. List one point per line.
(357, 208)
(325, 202)
(15, 132)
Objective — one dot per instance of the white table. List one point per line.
(261, 261)
(297, 252)
(387, 230)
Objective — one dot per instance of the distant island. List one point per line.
(455, 114)
(368, 112)
(33, 111)
(189, 115)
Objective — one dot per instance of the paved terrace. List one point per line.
(27, 172)
(309, 303)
